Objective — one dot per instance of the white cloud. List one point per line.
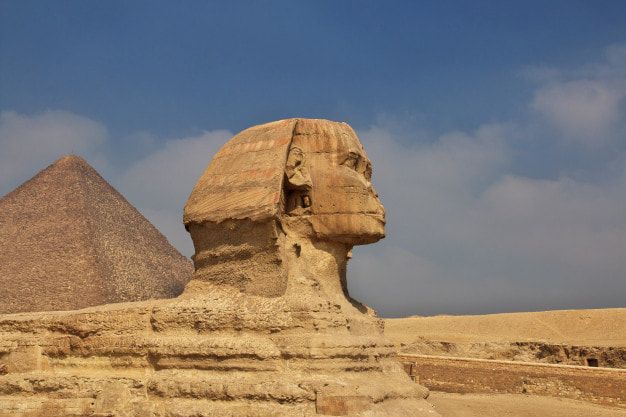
(584, 104)
(30, 142)
(585, 111)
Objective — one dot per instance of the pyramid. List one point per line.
(69, 240)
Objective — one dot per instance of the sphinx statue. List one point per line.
(293, 187)
(265, 327)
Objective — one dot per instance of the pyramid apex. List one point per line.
(69, 160)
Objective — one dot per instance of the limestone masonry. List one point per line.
(265, 327)
(604, 386)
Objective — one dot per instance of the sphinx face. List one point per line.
(329, 181)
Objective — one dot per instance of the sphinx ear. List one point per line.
(296, 171)
(298, 183)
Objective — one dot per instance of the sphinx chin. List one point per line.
(350, 229)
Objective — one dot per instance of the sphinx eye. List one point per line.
(368, 172)
(351, 161)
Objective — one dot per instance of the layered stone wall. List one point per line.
(522, 351)
(465, 375)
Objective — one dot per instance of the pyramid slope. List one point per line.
(69, 240)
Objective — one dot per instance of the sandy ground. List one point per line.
(600, 327)
(516, 405)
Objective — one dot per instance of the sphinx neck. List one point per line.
(263, 259)
(241, 254)
(316, 270)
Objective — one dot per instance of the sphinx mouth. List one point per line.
(378, 216)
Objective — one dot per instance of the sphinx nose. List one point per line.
(379, 204)
(372, 189)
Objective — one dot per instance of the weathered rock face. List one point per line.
(265, 327)
(68, 240)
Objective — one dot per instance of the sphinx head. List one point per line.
(327, 189)
(300, 177)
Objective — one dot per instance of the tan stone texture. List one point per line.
(244, 178)
(68, 240)
(265, 171)
(265, 327)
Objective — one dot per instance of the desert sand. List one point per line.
(603, 327)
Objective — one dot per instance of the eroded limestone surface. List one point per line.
(265, 327)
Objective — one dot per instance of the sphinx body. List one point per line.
(265, 327)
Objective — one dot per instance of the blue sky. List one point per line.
(172, 67)
(497, 129)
